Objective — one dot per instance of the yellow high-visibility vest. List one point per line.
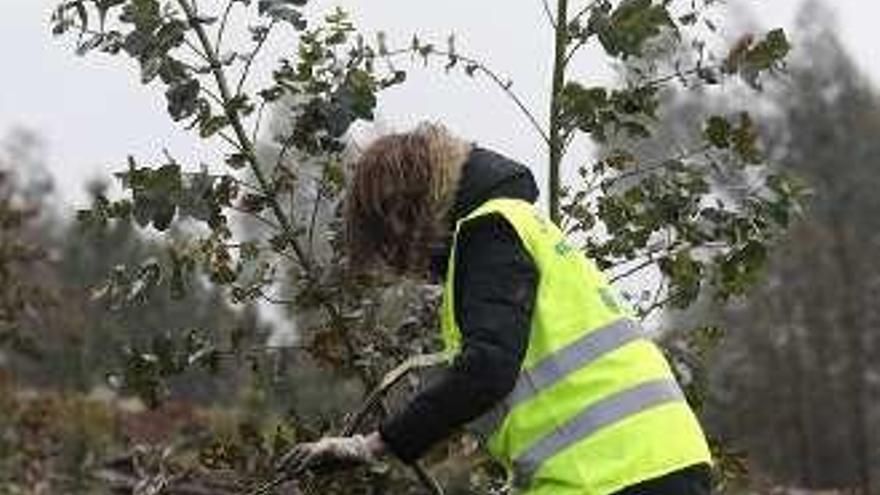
(596, 407)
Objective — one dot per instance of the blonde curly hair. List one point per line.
(402, 188)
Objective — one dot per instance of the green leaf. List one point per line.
(635, 130)
(183, 98)
(630, 25)
(769, 51)
(718, 131)
(745, 140)
(144, 14)
(150, 68)
(750, 59)
(170, 35)
(212, 125)
(283, 10)
(237, 161)
(581, 106)
(685, 277)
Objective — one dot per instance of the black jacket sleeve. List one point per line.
(494, 286)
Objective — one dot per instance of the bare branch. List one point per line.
(256, 132)
(196, 50)
(312, 221)
(245, 72)
(678, 74)
(632, 271)
(218, 41)
(582, 40)
(580, 43)
(586, 8)
(505, 85)
(232, 142)
(656, 303)
(273, 300)
(212, 95)
(546, 6)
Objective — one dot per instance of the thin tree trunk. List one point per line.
(557, 140)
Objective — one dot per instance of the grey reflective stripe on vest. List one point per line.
(592, 419)
(557, 366)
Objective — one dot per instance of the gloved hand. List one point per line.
(356, 449)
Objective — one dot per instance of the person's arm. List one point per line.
(495, 284)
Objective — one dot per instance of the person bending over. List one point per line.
(548, 367)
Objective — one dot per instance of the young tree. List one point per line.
(629, 214)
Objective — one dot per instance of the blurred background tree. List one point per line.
(800, 358)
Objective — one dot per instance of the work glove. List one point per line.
(327, 452)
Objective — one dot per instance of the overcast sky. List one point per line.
(92, 111)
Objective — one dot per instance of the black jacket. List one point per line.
(494, 287)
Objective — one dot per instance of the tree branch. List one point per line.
(229, 140)
(586, 8)
(505, 85)
(313, 219)
(256, 132)
(546, 6)
(632, 271)
(580, 43)
(648, 168)
(196, 50)
(250, 60)
(218, 41)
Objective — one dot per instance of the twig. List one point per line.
(505, 85)
(644, 313)
(257, 217)
(550, 19)
(641, 266)
(678, 74)
(218, 41)
(357, 419)
(230, 141)
(211, 95)
(255, 134)
(272, 300)
(318, 197)
(580, 43)
(649, 168)
(250, 59)
(244, 183)
(195, 49)
(588, 7)
(388, 381)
